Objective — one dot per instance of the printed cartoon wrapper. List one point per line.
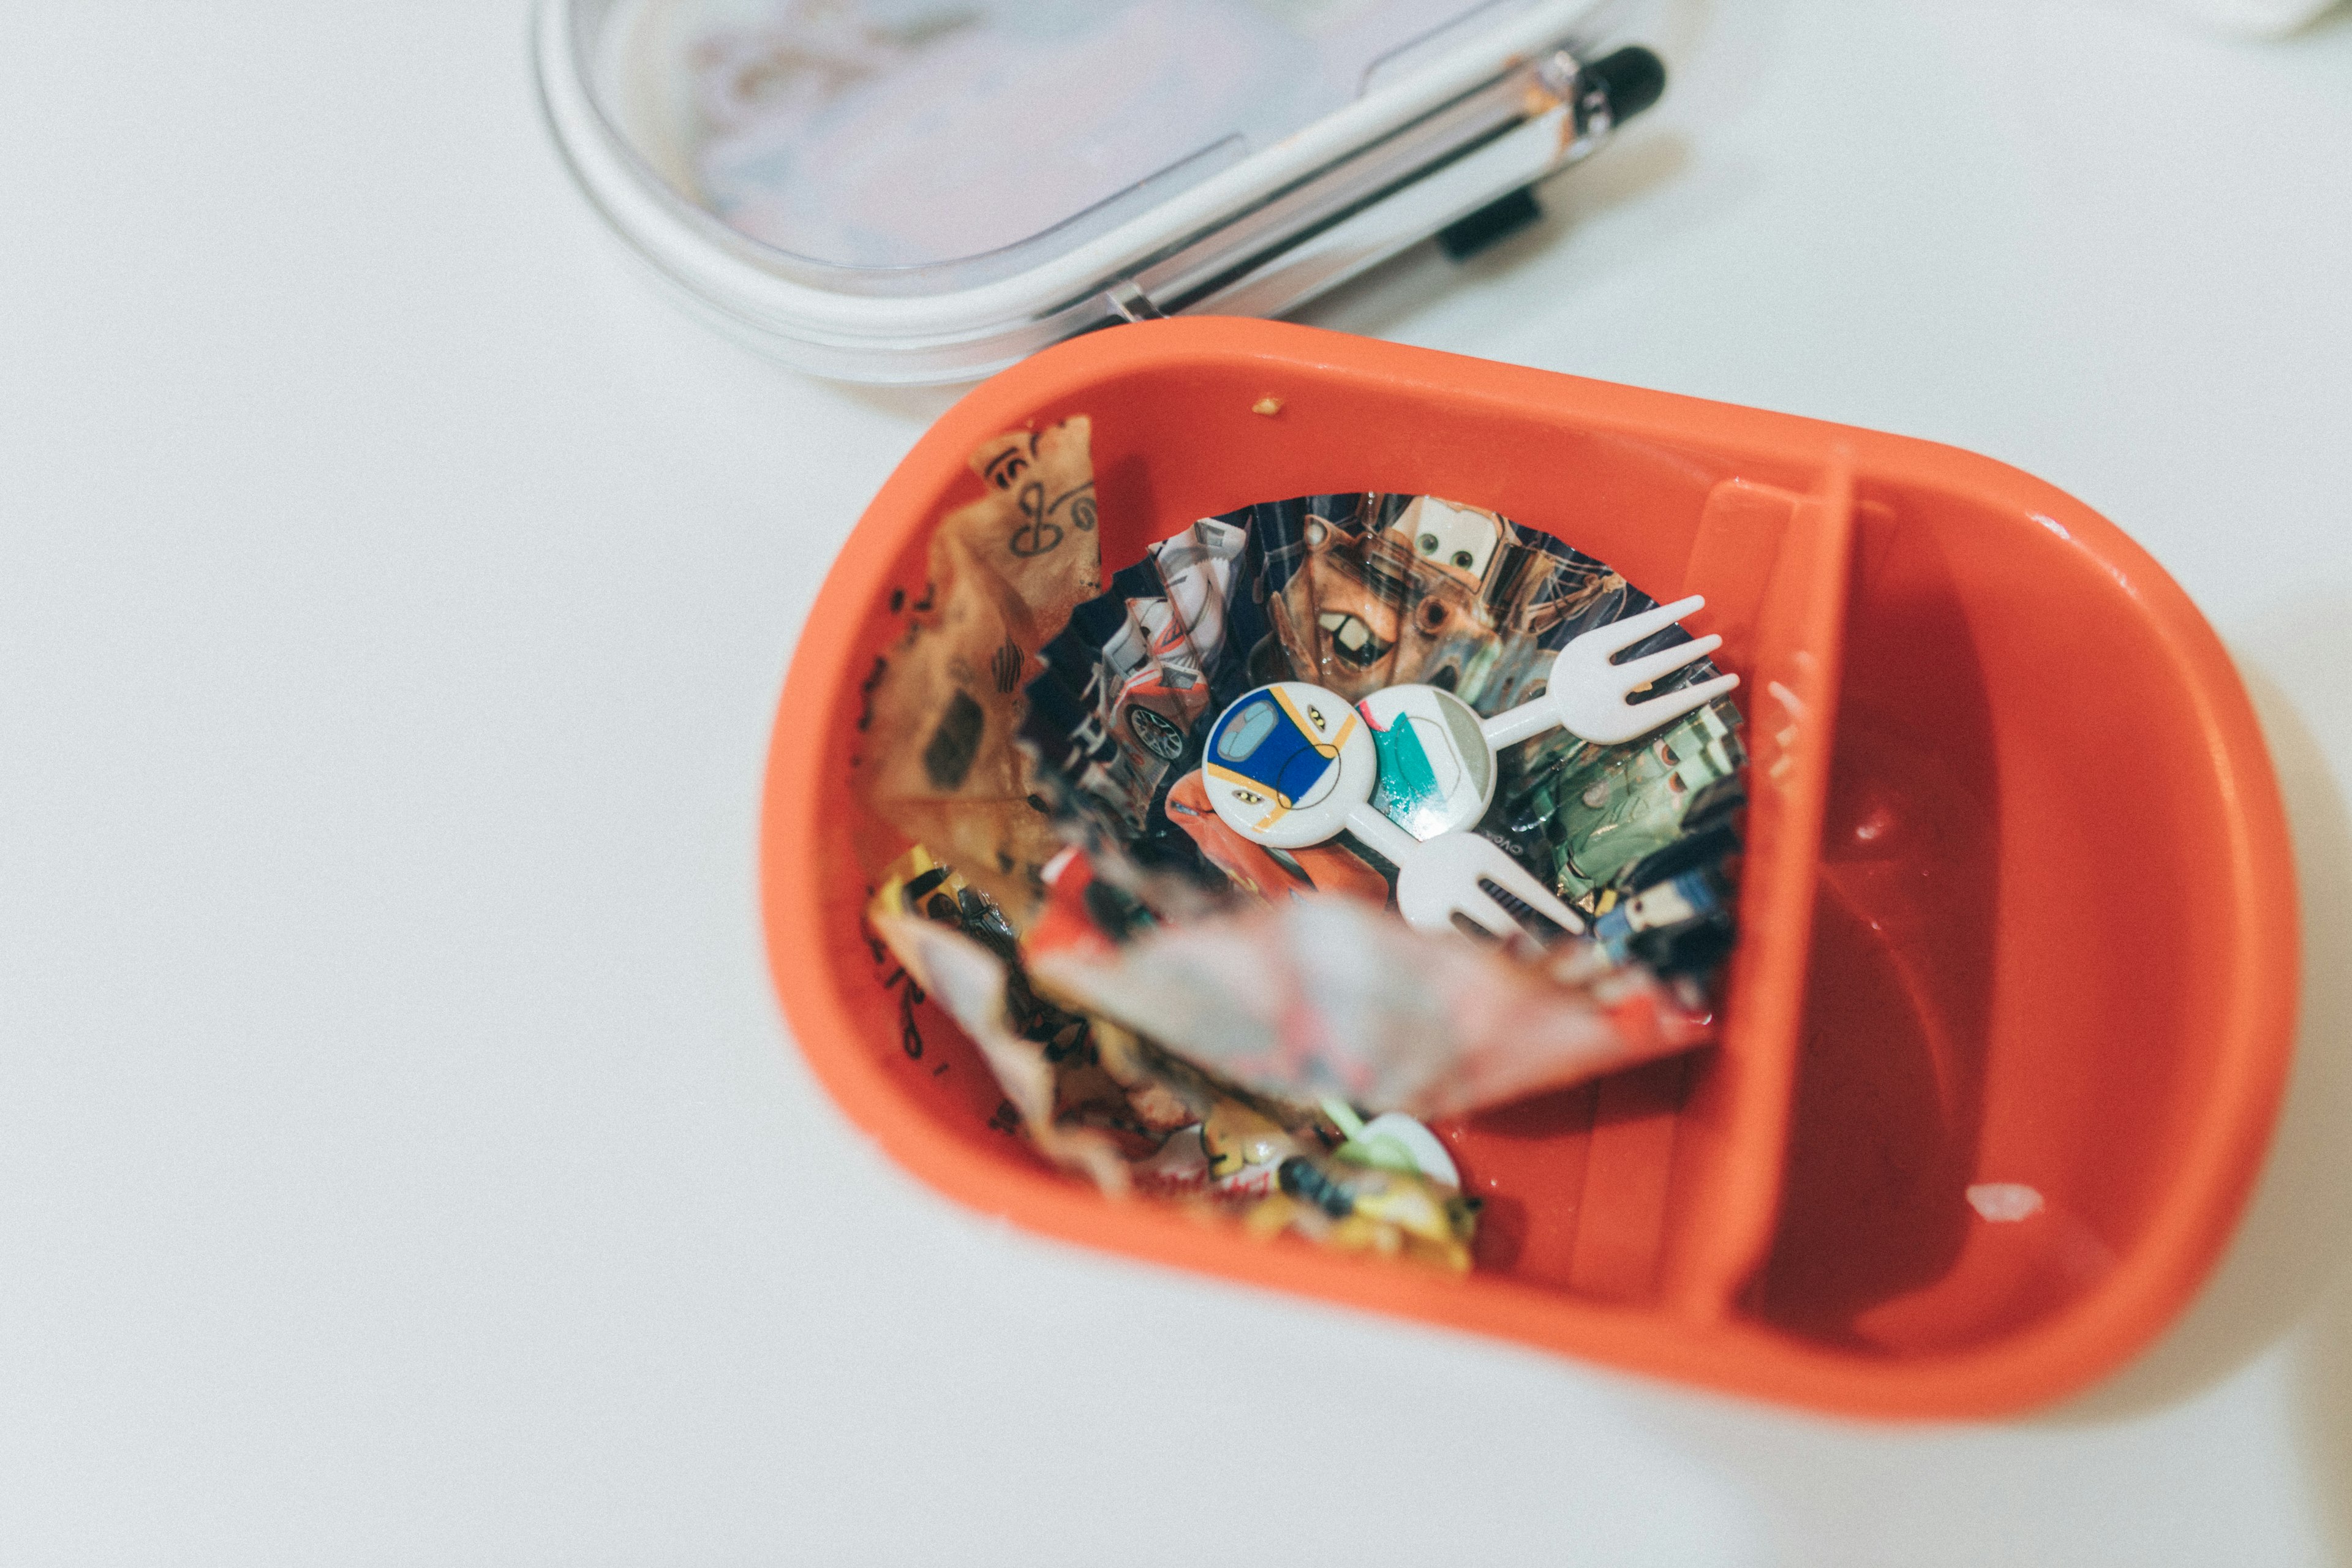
(1359, 592)
(1118, 1107)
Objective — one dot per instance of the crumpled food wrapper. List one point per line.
(1136, 1118)
(1005, 572)
(1322, 997)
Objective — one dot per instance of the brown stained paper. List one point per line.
(1005, 572)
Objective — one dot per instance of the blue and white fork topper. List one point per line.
(1293, 764)
(1288, 762)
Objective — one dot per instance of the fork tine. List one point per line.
(1659, 711)
(1515, 879)
(1481, 909)
(1619, 636)
(1683, 701)
(1639, 672)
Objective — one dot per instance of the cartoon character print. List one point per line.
(1356, 591)
(1281, 751)
(1338, 614)
(1609, 806)
(1130, 678)
(1383, 590)
(1460, 540)
(1265, 873)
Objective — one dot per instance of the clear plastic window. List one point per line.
(905, 133)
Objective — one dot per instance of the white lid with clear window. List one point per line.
(930, 190)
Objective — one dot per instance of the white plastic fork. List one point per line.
(1589, 694)
(1438, 878)
(1590, 697)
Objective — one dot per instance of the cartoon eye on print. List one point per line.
(1248, 729)
(1431, 545)
(1457, 537)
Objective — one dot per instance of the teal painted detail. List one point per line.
(1408, 794)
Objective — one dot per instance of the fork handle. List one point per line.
(1393, 842)
(1524, 722)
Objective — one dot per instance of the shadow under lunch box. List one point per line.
(2018, 914)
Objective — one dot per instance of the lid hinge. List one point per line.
(1130, 303)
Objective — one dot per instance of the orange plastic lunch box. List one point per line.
(2017, 916)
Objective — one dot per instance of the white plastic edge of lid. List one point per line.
(747, 297)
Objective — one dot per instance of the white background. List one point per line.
(401, 1158)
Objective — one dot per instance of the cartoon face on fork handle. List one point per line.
(1286, 764)
(1292, 764)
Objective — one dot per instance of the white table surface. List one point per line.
(401, 1156)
